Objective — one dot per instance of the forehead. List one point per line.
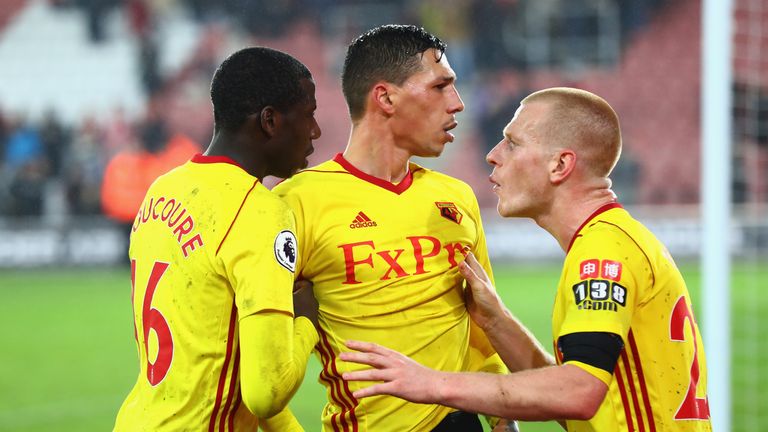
(308, 88)
(524, 122)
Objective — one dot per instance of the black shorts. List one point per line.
(459, 421)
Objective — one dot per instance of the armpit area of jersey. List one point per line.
(598, 349)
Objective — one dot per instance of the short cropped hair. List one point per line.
(582, 121)
(386, 53)
(251, 79)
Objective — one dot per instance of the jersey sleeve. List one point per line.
(602, 276)
(259, 255)
(303, 232)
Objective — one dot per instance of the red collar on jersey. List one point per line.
(203, 159)
(602, 209)
(399, 188)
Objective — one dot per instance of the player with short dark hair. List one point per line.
(389, 53)
(381, 237)
(222, 341)
(629, 354)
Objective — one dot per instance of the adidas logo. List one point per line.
(362, 221)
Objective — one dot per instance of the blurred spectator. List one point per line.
(118, 133)
(23, 143)
(503, 93)
(130, 172)
(126, 179)
(178, 150)
(84, 167)
(490, 18)
(139, 17)
(450, 20)
(3, 137)
(55, 140)
(149, 65)
(96, 11)
(635, 14)
(265, 17)
(153, 132)
(626, 176)
(27, 188)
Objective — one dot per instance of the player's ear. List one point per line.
(561, 165)
(382, 95)
(268, 120)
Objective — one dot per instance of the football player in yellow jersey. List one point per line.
(381, 237)
(629, 355)
(222, 341)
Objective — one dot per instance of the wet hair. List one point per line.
(386, 53)
(583, 121)
(251, 79)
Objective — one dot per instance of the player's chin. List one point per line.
(505, 210)
(433, 150)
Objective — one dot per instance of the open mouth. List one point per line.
(495, 185)
(450, 126)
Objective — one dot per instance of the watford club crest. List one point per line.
(449, 211)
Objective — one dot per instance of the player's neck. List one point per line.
(228, 145)
(566, 216)
(373, 152)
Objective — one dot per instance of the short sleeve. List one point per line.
(259, 254)
(596, 372)
(303, 230)
(602, 276)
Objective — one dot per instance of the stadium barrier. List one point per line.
(29, 243)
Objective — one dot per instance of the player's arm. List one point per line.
(304, 305)
(517, 347)
(274, 346)
(274, 349)
(549, 393)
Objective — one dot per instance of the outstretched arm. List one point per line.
(550, 393)
(517, 347)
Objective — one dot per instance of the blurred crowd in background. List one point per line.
(641, 55)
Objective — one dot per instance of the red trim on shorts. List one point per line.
(227, 411)
(399, 188)
(223, 376)
(624, 398)
(203, 159)
(632, 391)
(236, 215)
(238, 402)
(641, 379)
(347, 393)
(603, 208)
(325, 377)
(341, 401)
(348, 401)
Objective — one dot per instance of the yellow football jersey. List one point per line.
(210, 245)
(383, 258)
(618, 278)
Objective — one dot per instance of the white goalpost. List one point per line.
(716, 126)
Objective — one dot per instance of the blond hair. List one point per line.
(581, 121)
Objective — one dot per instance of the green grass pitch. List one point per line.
(68, 356)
